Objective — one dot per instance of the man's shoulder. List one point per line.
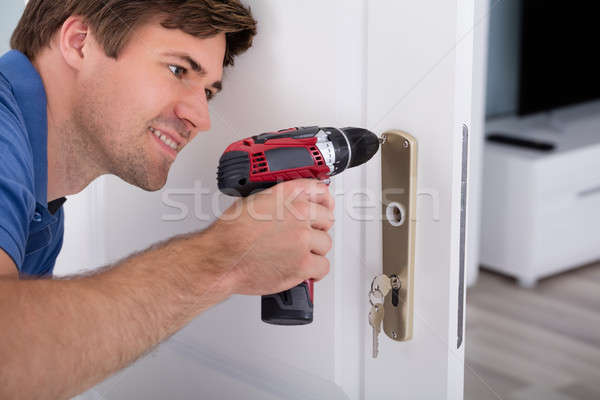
(23, 172)
(8, 102)
(4, 83)
(6, 92)
(15, 146)
(12, 124)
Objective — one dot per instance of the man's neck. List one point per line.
(70, 166)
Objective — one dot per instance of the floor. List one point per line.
(530, 344)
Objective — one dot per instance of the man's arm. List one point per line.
(60, 337)
(7, 266)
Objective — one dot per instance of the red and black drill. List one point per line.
(259, 162)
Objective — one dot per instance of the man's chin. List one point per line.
(154, 186)
(149, 184)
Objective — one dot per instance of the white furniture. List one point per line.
(541, 210)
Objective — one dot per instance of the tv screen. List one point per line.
(560, 64)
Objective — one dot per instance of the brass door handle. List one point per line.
(399, 187)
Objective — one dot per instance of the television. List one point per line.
(559, 60)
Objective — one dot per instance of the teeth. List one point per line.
(164, 138)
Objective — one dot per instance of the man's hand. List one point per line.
(97, 324)
(275, 239)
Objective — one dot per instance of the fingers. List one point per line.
(310, 201)
(314, 191)
(320, 195)
(320, 265)
(320, 242)
(320, 217)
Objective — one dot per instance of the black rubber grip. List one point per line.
(233, 175)
(296, 133)
(291, 307)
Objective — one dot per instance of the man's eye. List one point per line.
(209, 94)
(177, 70)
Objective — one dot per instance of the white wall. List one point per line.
(10, 12)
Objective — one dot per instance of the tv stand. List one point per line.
(552, 123)
(541, 209)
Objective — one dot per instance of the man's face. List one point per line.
(137, 112)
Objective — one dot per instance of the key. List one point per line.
(375, 320)
(380, 287)
(382, 283)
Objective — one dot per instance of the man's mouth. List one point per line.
(165, 138)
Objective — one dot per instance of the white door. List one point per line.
(382, 65)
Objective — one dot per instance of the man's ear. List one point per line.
(74, 40)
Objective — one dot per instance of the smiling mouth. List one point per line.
(165, 139)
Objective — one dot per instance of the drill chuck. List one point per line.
(363, 143)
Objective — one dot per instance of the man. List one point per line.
(120, 87)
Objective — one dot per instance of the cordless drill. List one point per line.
(259, 162)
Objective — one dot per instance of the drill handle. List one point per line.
(290, 307)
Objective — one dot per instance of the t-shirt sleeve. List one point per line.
(17, 201)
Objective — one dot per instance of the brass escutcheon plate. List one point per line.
(398, 195)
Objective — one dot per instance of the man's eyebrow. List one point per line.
(185, 57)
(218, 85)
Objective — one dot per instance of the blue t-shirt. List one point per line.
(31, 229)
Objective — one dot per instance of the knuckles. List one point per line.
(303, 209)
(294, 185)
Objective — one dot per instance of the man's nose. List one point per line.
(193, 109)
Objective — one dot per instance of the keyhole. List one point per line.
(396, 285)
(395, 214)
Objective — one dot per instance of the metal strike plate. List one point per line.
(398, 186)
